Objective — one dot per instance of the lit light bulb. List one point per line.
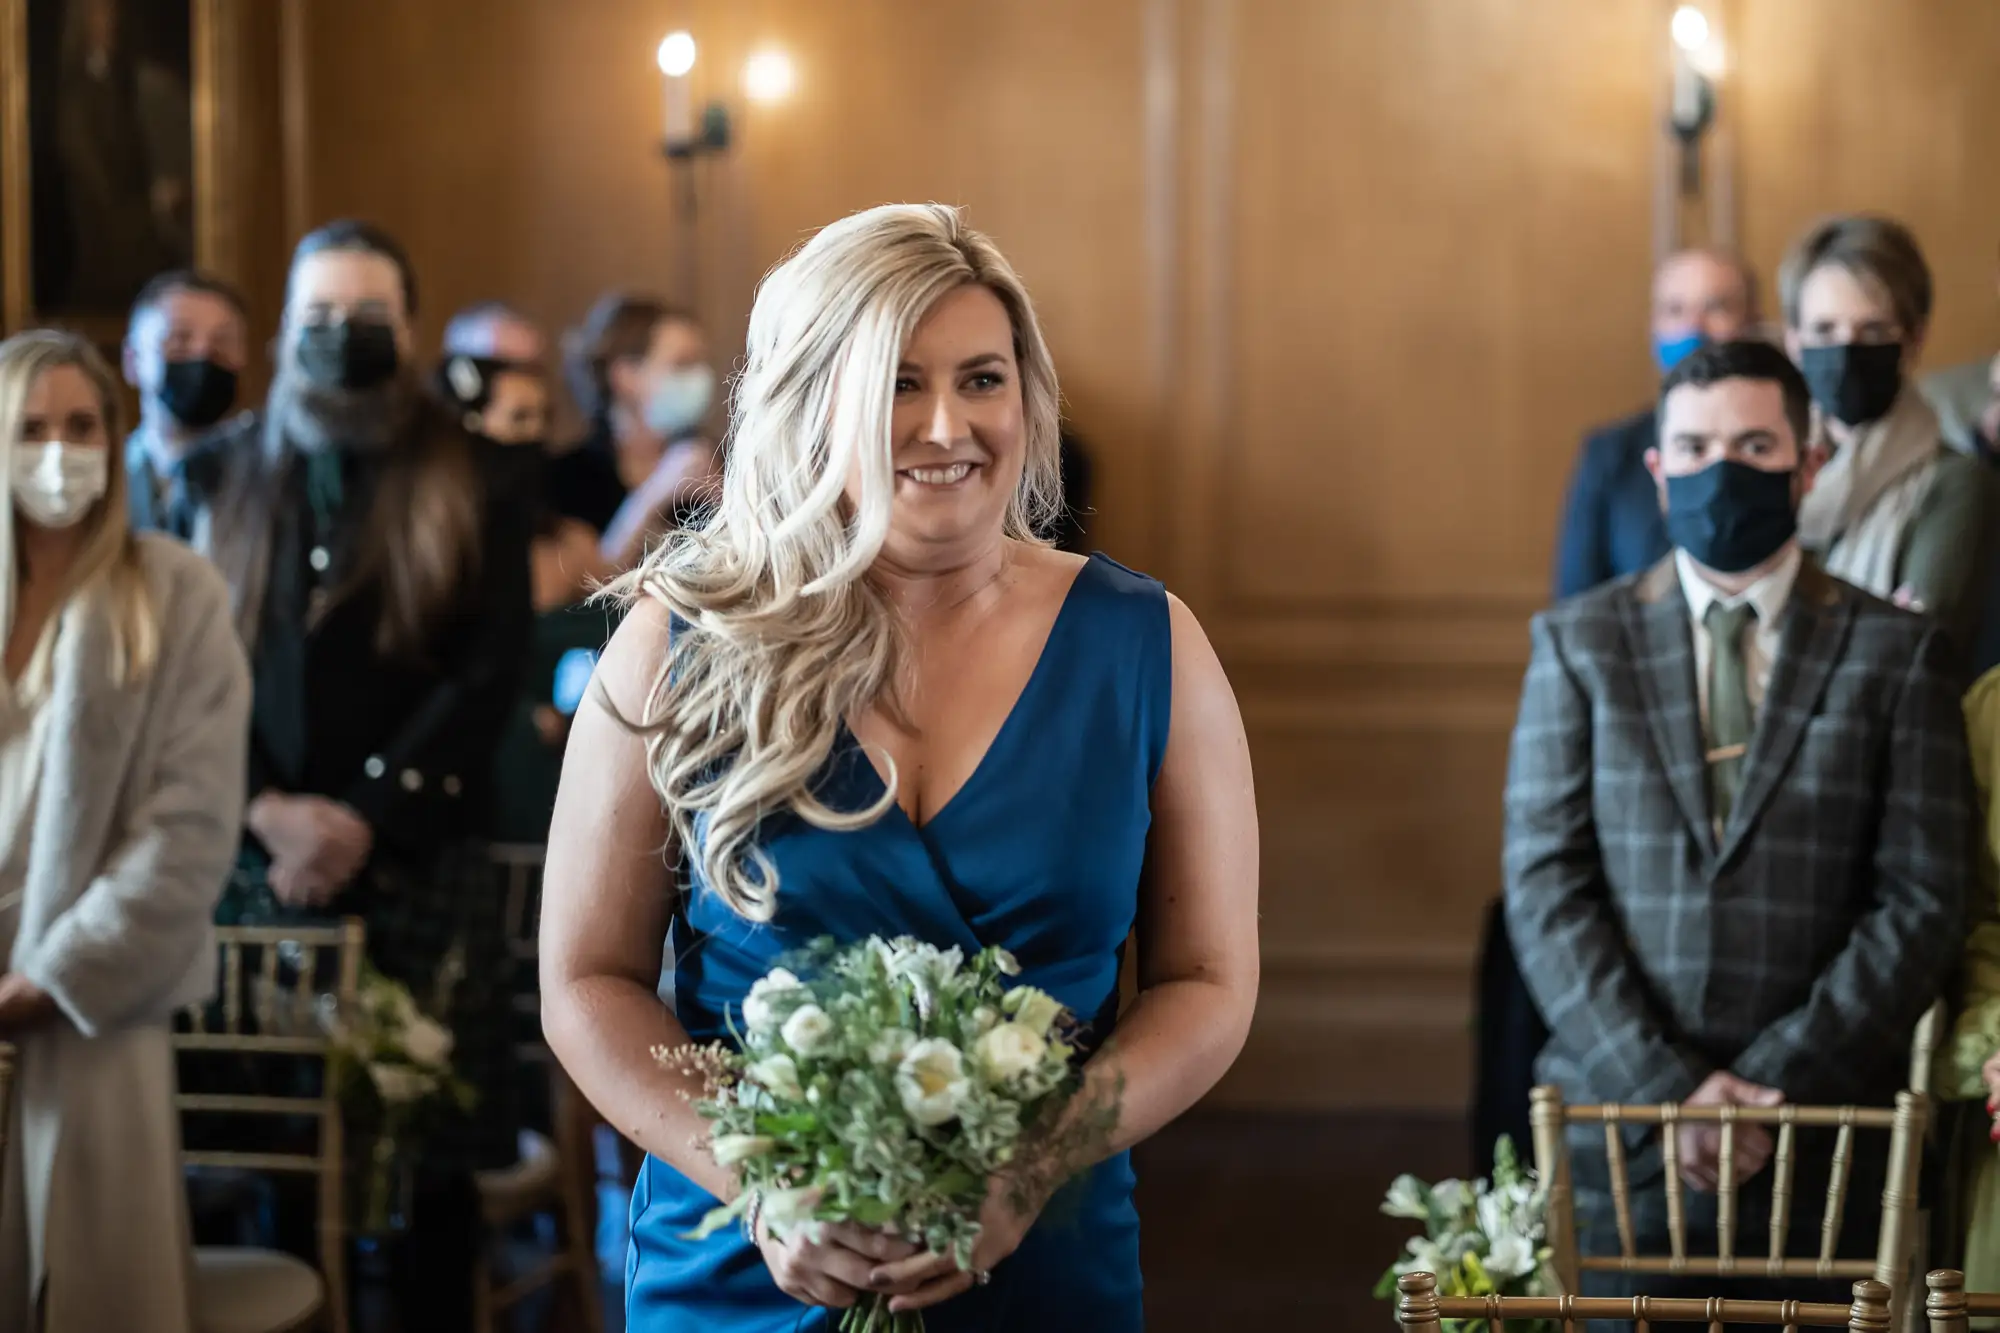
(677, 54)
(767, 76)
(1690, 29)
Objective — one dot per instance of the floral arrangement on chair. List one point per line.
(391, 1066)
(1485, 1238)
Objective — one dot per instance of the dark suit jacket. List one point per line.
(1611, 523)
(1800, 949)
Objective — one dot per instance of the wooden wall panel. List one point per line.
(1855, 105)
(1334, 287)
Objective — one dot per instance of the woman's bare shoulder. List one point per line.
(637, 653)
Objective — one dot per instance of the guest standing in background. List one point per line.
(640, 371)
(1611, 522)
(383, 592)
(1739, 824)
(185, 349)
(1966, 398)
(1611, 527)
(123, 719)
(1894, 510)
(504, 404)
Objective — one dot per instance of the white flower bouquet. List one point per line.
(890, 1086)
(391, 1064)
(1481, 1239)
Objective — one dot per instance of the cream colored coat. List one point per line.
(137, 818)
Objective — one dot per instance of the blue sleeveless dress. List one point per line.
(1040, 851)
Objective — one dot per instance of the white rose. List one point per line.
(760, 1005)
(400, 1085)
(807, 1029)
(1009, 1051)
(891, 1047)
(729, 1149)
(786, 1211)
(983, 1019)
(931, 1082)
(1453, 1197)
(1406, 1199)
(1033, 1009)
(1424, 1257)
(1510, 1257)
(428, 1042)
(778, 1073)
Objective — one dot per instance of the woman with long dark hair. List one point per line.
(383, 596)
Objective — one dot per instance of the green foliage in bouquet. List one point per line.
(1482, 1239)
(890, 1084)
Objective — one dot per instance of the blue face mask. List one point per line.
(680, 400)
(1670, 352)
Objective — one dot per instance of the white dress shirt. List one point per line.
(1768, 594)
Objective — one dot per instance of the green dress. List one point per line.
(1975, 1036)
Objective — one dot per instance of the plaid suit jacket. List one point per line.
(1800, 948)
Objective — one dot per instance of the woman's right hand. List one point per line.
(831, 1272)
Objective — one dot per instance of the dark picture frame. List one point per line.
(108, 154)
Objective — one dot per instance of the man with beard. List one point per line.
(382, 591)
(185, 348)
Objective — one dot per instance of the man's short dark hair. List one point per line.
(1745, 359)
(163, 285)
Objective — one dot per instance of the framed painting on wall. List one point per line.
(108, 114)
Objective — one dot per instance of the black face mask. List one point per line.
(1854, 383)
(1730, 516)
(513, 470)
(352, 354)
(197, 393)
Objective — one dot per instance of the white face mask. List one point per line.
(55, 484)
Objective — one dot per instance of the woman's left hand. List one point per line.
(23, 1004)
(1002, 1226)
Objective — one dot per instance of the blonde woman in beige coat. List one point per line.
(124, 710)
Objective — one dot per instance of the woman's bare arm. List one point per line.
(1197, 935)
(606, 904)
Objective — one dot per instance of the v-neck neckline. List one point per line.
(1000, 737)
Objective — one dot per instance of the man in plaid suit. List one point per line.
(1739, 825)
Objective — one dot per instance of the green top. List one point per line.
(1975, 1037)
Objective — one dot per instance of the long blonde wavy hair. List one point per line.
(108, 561)
(781, 636)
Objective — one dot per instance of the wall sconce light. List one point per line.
(768, 76)
(1697, 58)
(684, 138)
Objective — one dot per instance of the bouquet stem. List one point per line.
(874, 1316)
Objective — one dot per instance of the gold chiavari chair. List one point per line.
(1895, 1253)
(281, 972)
(555, 1177)
(1419, 1309)
(1951, 1307)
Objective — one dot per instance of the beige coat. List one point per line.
(137, 818)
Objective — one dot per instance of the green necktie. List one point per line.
(1729, 717)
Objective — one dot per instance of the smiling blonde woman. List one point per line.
(865, 700)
